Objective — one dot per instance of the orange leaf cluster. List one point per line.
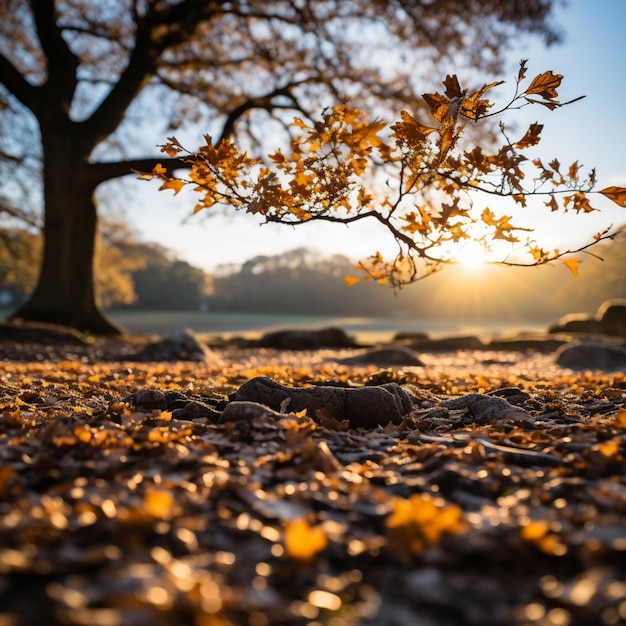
(335, 166)
(421, 521)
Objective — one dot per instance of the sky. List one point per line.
(592, 59)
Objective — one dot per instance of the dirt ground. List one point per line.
(118, 511)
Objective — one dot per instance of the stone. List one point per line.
(147, 399)
(179, 345)
(484, 409)
(246, 410)
(576, 323)
(362, 406)
(592, 355)
(410, 337)
(612, 316)
(196, 410)
(610, 319)
(384, 357)
(451, 343)
(526, 343)
(306, 339)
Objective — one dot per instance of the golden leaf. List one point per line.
(439, 105)
(173, 183)
(420, 521)
(531, 138)
(617, 194)
(552, 204)
(619, 420)
(170, 150)
(158, 503)
(545, 85)
(303, 542)
(352, 280)
(609, 448)
(572, 265)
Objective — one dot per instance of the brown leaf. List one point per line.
(531, 138)
(617, 194)
(545, 85)
(453, 89)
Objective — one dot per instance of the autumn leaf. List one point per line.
(572, 265)
(522, 70)
(453, 89)
(158, 503)
(421, 521)
(173, 183)
(619, 420)
(552, 204)
(531, 138)
(302, 541)
(617, 194)
(351, 280)
(439, 105)
(545, 85)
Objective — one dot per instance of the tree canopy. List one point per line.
(86, 86)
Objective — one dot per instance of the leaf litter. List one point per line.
(114, 512)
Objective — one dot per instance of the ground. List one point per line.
(113, 512)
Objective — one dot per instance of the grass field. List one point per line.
(253, 324)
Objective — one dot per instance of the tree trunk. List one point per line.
(65, 292)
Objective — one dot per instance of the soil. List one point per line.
(115, 512)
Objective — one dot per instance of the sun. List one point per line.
(471, 257)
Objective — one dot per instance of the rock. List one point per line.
(410, 337)
(179, 345)
(306, 339)
(592, 355)
(361, 406)
(612, 315)
(196, 410)
(576, 323)
(484, 409)
(451, 343)
(384, 357)
(245, 410)
(526, 343)
(513, 395)
(148, 399)
(610, 319)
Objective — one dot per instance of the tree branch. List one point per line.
(62, 62)
(100, 172)
(15, 83)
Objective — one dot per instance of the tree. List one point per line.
(432, 173)
(86, 76)
(20, 250)
(168, 284)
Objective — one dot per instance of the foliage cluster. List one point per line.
(334, 167)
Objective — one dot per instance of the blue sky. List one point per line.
(592, 59)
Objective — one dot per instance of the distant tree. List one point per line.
(300, 281)
(20, 252)
(131, 273)
(433, 197)
(90, 80)
(164, 283)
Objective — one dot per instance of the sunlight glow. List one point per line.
(471, 256)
